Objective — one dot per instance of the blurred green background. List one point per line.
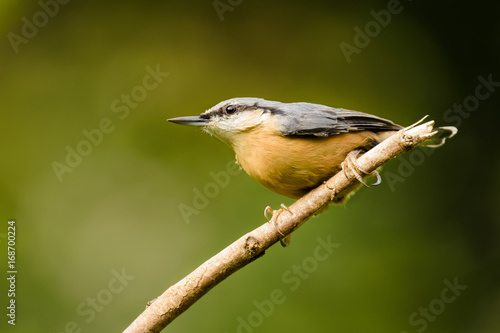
(118, 211)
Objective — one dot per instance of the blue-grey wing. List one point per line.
(320, 120)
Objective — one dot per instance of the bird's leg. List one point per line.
(351, 163)
(285, 241)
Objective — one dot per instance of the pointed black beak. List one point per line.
(190, 121)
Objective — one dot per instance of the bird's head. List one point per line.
(230, 118)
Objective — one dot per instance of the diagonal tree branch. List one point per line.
(179, 297)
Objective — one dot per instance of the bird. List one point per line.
(292, 148)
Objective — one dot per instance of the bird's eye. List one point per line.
(230, 109)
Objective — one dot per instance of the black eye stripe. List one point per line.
(231, 109)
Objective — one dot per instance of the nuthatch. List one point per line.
(292, 148)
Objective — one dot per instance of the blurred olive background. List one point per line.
(119, 209)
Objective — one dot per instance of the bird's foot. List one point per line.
(351, 164)
(285, 241)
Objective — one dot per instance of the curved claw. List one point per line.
(376, 175)
(285, 241)
(351, 164)
(268, 210)
(286, 208)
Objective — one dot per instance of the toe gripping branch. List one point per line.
(406, 140)
(351, 164)
(285, 241)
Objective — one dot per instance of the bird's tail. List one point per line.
(440, 137)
